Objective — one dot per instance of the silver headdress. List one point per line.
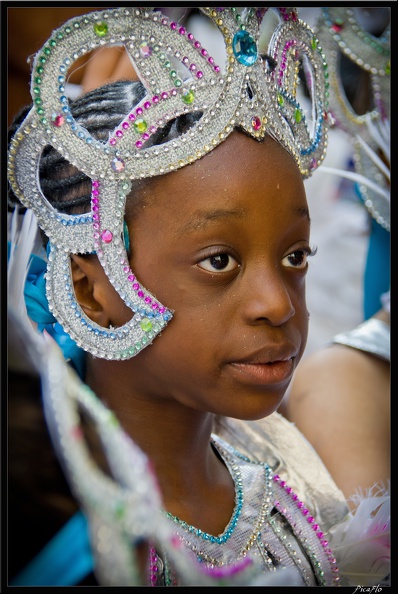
(341, 32)
(255, 92)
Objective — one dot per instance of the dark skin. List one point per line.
(224, 244)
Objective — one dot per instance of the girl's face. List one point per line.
(224, 243)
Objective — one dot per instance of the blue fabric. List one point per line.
(377, 269)
(38, 311)
(65, 561)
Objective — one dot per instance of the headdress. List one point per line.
(257, 93)
(341, 33)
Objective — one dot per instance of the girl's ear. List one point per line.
(95, 293)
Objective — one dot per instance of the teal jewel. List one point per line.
(126, 236)
(245, 48)
(237, 477)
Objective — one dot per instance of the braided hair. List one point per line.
(99, 111)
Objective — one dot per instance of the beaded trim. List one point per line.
(340, 33)
(277, 496)
(180, 76)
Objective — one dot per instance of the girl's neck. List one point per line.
(195, 484)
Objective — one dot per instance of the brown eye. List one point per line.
(219, 263)
(297, 259)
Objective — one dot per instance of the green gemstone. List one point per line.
(38, 80)
(297, 116)
(38, 101)
(146, 325)
(52, 42)
(68, 29)
(388, 68)
(119, 509)
(44, 121)
(313, 43)
(36, 90)
(42, 59)
(101, 29)
(280, 99)
(188, 97)
(40, 69)
(140, 126)
(173, 73)
(177, 82)
(47, 51)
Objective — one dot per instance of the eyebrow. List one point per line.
(202, 218)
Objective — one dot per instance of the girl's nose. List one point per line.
(267, 298)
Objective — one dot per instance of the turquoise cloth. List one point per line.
(377, 275)
(65, 561)
(38, 311)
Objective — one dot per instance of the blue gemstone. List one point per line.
(245, 48)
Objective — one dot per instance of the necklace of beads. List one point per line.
(270, 501)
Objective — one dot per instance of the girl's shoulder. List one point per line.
(279, 443)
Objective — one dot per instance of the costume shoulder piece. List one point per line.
(279, 443)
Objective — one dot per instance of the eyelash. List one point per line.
(306, 252)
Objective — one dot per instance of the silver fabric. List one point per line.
(373, 336)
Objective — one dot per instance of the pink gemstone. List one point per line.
(131, 278)
(165, 95)
(140, 293)
(173, 25)
(138, 144)
(155, 99)
(181, 31)
(136, 286)
(154, 306)
(197, 44)
(96, 183)
(337, 27)
(147, 104)
(119, 133)
(132, 117)
(190, 37)
(162, 309)
(57, 120)
(148, 300)
(256, 123)
(204, 52)
(112, 141)
(107, 236)
(217, 68)
(211, 60)
(125, 125)
(139, 111)
(199, 74)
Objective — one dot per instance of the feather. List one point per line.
(22, 243)
(360, 179)
(361, 543)
(25, 345)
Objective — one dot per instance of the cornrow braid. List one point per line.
(100, 111)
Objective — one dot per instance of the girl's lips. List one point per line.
(276, 372)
